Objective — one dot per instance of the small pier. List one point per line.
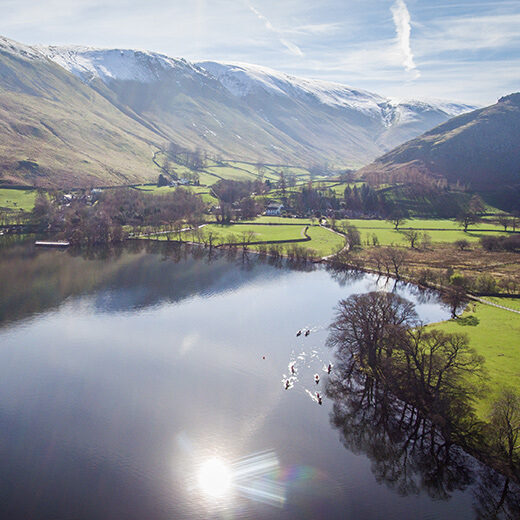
(46, 243)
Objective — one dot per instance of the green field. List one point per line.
(323, 241)
(14, 199)
(511, 303)
(495, 334)
(439, 230)
(261, 233)
(203, 191)
(230, 173)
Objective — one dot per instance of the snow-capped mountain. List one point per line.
(235, 111)
(57, 131)
(276, 116)
(244, 80)
(114, 64)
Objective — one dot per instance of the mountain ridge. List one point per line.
(147, 100)
(480, 149)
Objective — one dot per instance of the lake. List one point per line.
(149, 382)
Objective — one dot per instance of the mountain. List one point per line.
(56, 131)
(249, 112)
(480, 149)
(77, 116)
(338, 123)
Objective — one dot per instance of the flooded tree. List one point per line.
(505, 424)
(403, 395)
(407, 452)
(496, 497)
(369, 326)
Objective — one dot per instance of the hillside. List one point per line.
(247, 112)
(335, 122)
(480, 149)
(76, 116)
(56, 131)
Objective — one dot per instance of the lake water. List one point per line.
(149, 383)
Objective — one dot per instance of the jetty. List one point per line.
(45, 243)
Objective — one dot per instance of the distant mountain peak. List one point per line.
(244, 79)
(512, 98)
(480, 149)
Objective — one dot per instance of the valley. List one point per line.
(262, 247)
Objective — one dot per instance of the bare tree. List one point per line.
(368, 325)
(455, 296)
(394, 258)
(505, 423)
(470, 214)
(412, 235)
(467, 218)
(397, 218)
(504, 220)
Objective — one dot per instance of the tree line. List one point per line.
(108, 216)
(438, 377)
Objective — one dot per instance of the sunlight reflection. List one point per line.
(215, 477)
(255, 477)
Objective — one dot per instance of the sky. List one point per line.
(460, 50)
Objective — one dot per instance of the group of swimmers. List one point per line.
(316, 380)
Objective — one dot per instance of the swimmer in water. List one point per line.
(287, 384)
(318, 397)
(316, 378)
(299, 333)
(292, 370)
(329, 368)
(307, 332)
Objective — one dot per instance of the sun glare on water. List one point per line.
(215, 478)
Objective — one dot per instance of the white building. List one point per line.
(274, 210)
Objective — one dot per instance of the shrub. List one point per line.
(486, 284)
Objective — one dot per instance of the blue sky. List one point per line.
(452, 49)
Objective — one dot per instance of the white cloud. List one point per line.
(403, 29)
(470, 33)
(316, 29)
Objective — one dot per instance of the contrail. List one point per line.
(401, 17)
(291, 47)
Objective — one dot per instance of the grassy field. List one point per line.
(439, 230)
(495, 334)
(231, 173)
(261, 233)
(323, 241)
(14, 199)
(203, 191)
(423, 224)
(511, 303)
(443, 231)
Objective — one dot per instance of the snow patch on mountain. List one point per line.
(19, 49)
(247, 81)
(114, 64)
(243, 79)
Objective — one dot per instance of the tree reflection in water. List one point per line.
(408, 453)
(496, 496)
